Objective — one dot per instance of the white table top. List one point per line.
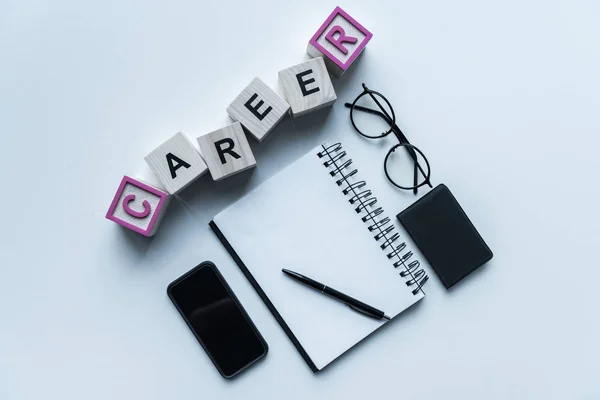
(504, 98)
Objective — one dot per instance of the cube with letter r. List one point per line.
(226, 151)
(340, 40)
(138, 206)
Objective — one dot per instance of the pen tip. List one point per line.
(386, 317)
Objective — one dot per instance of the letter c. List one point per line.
(137, 214)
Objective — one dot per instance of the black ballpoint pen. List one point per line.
(350, 301)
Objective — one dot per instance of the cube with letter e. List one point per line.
(339, 41)
(258, 108)
(226, 151)
(307, 86)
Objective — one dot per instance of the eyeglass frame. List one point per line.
(403, 141)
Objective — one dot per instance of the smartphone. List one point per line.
(217, 319)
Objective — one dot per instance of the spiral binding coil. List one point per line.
(365, 203)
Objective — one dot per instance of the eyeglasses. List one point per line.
(371, 113)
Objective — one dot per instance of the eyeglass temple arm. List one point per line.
(367, 110)
(399, 132)
(382, 115)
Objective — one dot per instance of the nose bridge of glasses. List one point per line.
(400, 136)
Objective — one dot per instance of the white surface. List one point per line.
(309, 227)
(502, 96)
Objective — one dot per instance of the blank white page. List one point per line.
(300, 220)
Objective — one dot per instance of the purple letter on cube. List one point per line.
(137, 206)
(339, 41)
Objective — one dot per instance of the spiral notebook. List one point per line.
(321, 218)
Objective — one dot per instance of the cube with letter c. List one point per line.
(138, 206)
(340, 40)
(226, 151)
(307, 87)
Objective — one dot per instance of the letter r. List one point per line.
(341, 39)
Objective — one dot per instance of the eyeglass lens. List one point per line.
(399, 166)
(372, 115)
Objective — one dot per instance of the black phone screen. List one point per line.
(217, 319)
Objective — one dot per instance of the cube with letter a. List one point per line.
(176, 163)
(339, 41)
(138, 206)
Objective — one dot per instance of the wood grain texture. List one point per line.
(334, 69)
(157, 211)
(179, 146)
(316, 95)
(235, 151)
(256, 118)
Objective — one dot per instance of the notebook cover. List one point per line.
(262, 295)
(443, 232)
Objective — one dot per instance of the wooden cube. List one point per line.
(258, 108)
(307, 87)
(339, 41)
(176, 163)
(226, 151)
(138, 206)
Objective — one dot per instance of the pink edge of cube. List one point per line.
(156, 212)
(339, 11)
